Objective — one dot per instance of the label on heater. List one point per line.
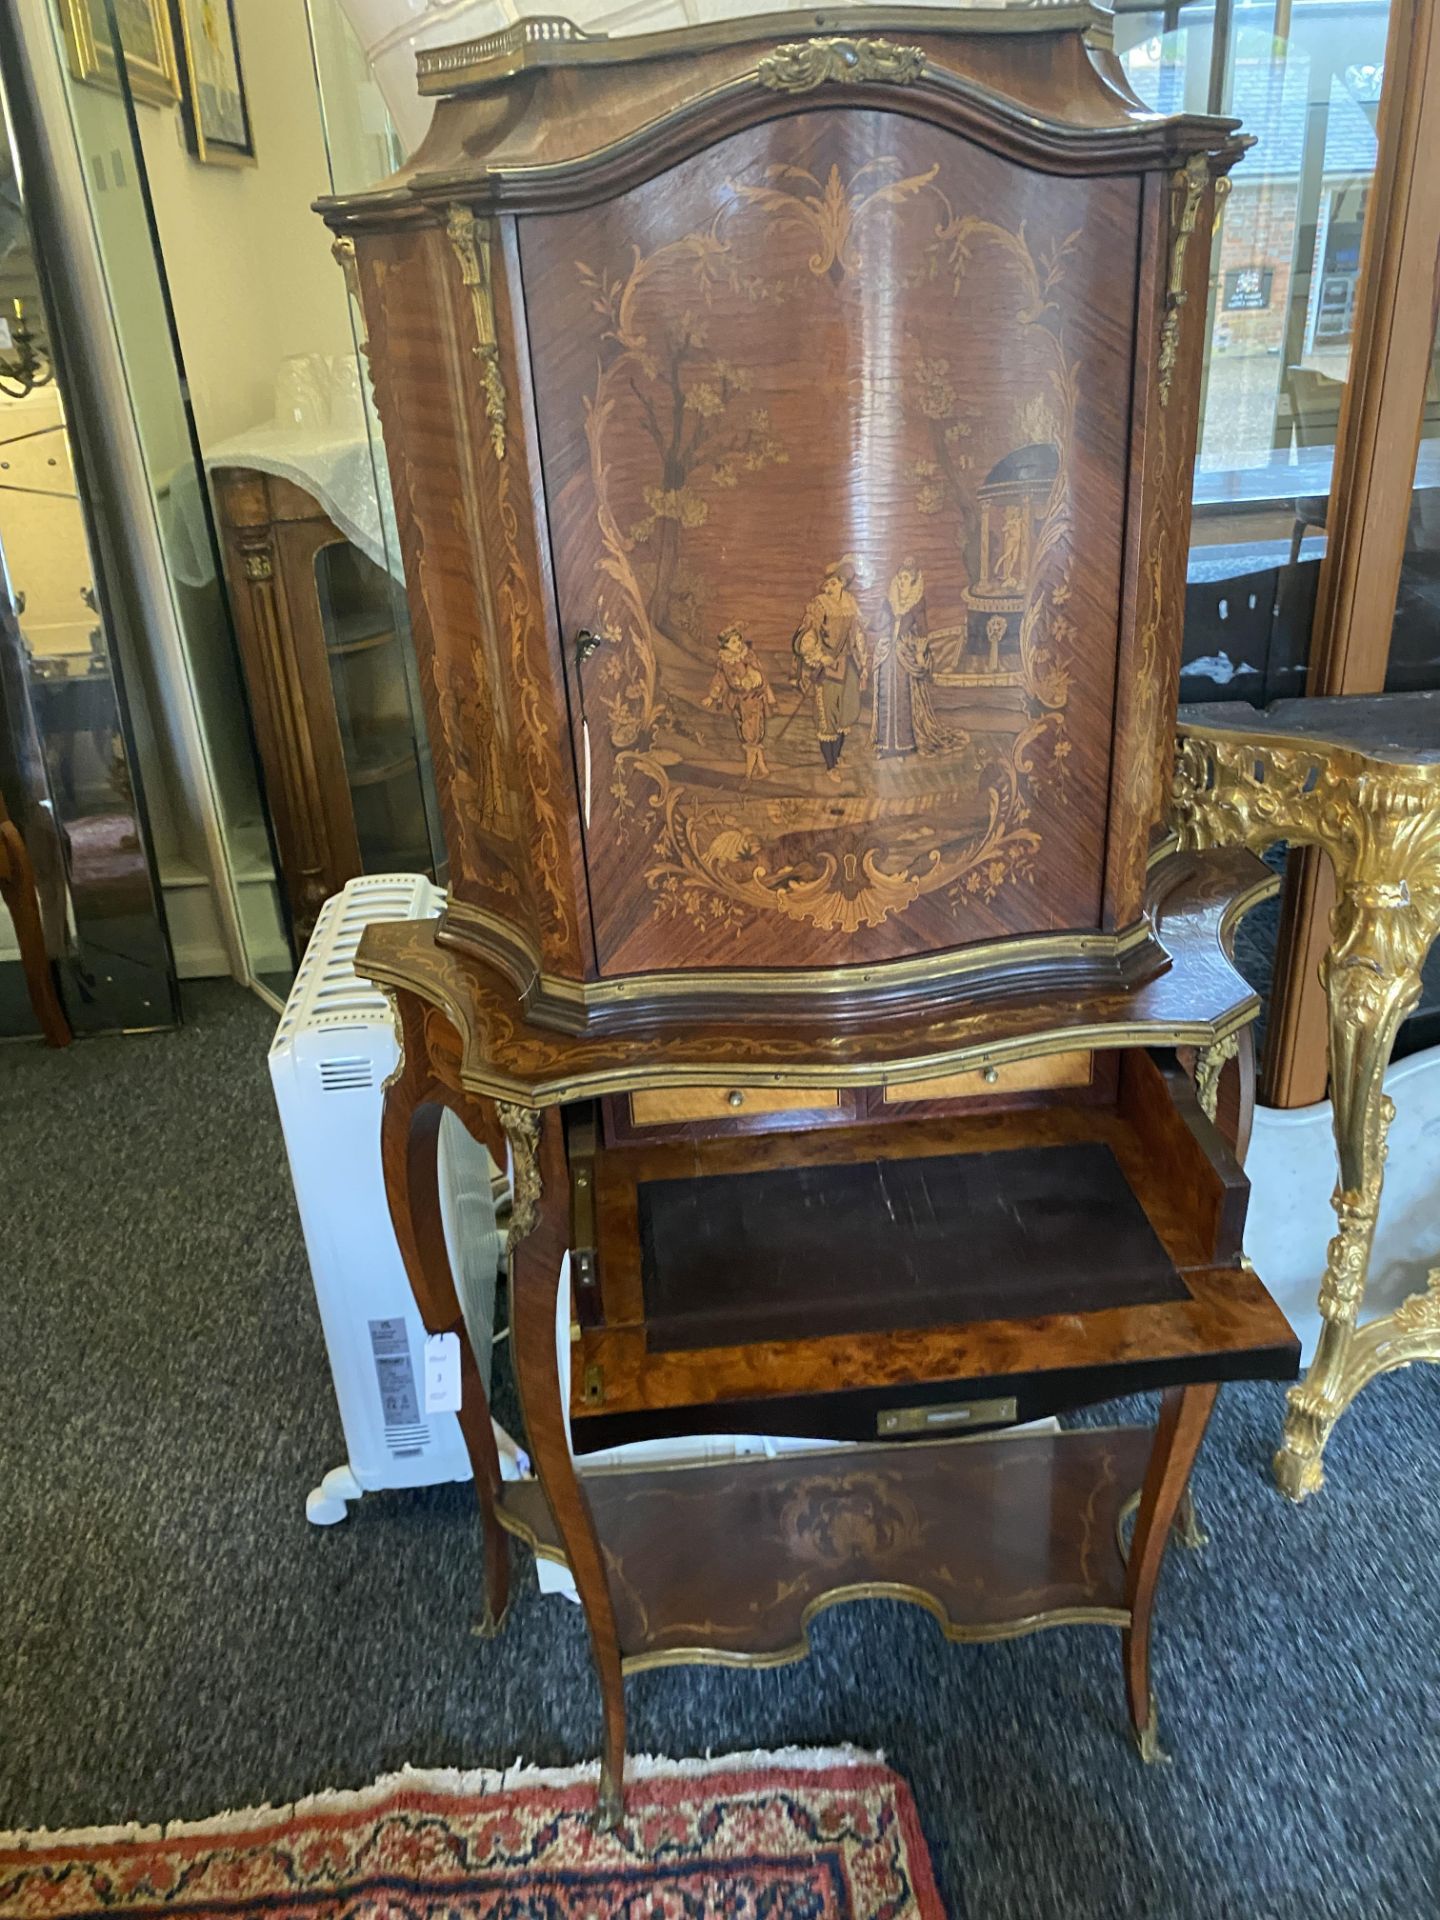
(442, 1373)
(394, 1375)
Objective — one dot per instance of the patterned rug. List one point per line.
(801, 1835)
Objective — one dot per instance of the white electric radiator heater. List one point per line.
(328, 1062)
(332, 1051)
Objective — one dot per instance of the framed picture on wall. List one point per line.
(212, 85)
(144, 29)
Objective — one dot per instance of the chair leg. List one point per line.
(17, 890)
(1184, 1414)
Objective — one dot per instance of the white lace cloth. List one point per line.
(317, 441)
(335, 470)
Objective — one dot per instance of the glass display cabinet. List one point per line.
(330, 672)
(371, 675)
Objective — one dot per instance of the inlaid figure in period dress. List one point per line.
(741, 689)
(903, 719)
(832, 660)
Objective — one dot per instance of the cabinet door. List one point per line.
(834, 428)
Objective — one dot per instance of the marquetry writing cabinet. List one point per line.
(791, 431)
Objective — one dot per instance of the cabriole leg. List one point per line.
(1184, 1414)
(537, 1251)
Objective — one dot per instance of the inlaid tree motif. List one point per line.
(692, 407)
(942, 479)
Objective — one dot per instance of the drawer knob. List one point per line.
(735, 1098)
(991, 1076)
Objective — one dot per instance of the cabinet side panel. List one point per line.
(416, 363)
(518, 539)
(1169, 347)
(835, 428)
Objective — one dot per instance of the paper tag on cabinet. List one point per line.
(442, 1373)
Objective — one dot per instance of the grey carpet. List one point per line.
(176, 1639)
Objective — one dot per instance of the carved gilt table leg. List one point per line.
(1372, 980)
(1379, 823)
(538, 1233)
(415, 1101)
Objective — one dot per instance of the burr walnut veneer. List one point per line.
(791, 442)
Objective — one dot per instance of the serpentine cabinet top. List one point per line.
(542, 101)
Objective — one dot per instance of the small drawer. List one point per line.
(679, 1106)
(1051, 1070)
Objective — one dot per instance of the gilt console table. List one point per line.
(791, 444)
(1358, 776)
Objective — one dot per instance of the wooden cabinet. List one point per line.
(801, 496)
(791, 441)
(329, 677)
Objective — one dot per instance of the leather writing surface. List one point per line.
(800, 1252)
(834, 429)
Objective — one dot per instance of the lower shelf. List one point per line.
(729, 1563)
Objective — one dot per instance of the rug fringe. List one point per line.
(454, 1781)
